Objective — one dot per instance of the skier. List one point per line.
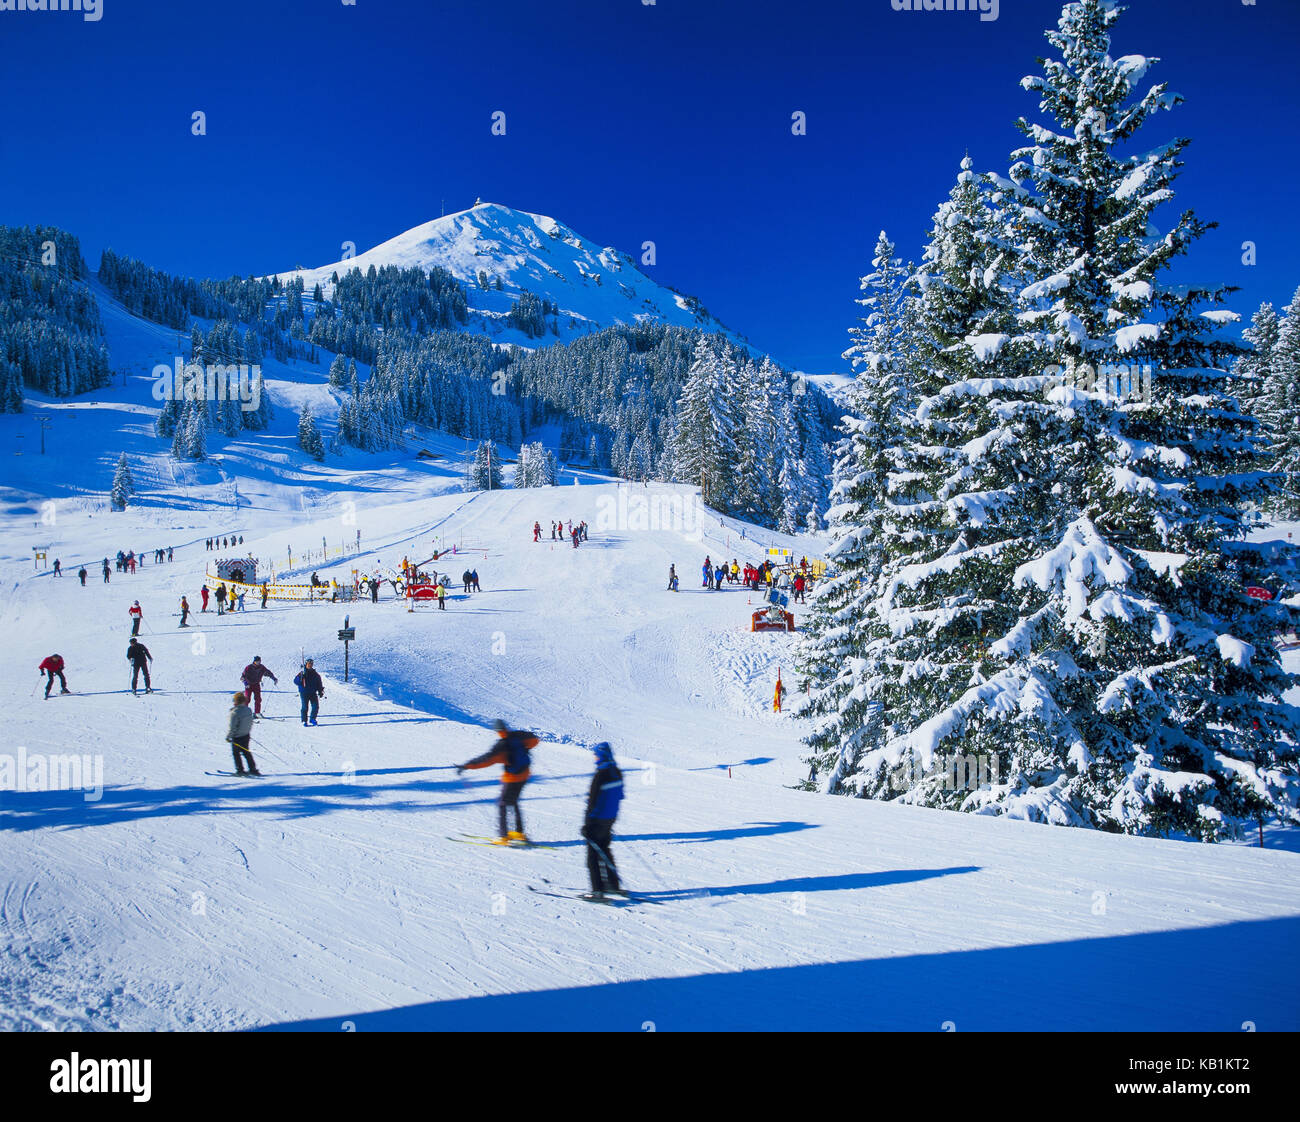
(82, 574)
(799, 585)
(265, 593)
(442, 596)
(537, 531)
(311, 689)
(374, 590)
(58, 569)
(221, 598)
(137, 654)
(473, 580)
(137, 615)
(238, 733)
(513, 752)
(602, 809)
(185, 612)
(252, 677)
(465, 578)
(203, 592)
(169, 553)
(718, 576)
(239, 600)
(52, 666)
(672, 578)
(105, 570)
(552, 531)
(573, 533)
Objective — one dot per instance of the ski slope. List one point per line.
(331, 894)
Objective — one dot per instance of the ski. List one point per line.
(588, 897)
(482, 839)
(565, 890)
(235, 774)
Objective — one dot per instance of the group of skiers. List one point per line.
(470, 579)
(224, 543)
(753, 577)
(576, 533)
(513, 751)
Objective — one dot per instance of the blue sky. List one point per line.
(670, 122)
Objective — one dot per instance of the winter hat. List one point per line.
(604, 753)
(257, 658)
(240, 699)
(500, 725)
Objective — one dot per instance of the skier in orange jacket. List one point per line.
(512, 751)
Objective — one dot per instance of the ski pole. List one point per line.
(603, 858)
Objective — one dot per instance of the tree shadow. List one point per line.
(1205, 979)
(272, 796)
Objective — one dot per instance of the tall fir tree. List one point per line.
(123, 484)
(1281, 408)
(1061, 599)
(705, 452)
(309, 437)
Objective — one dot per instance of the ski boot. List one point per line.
(517, 837)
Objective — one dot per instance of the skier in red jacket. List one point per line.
(51, 666)
(254, 672)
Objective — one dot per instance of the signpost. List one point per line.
(347, 634)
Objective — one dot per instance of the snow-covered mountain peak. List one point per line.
(498, 253)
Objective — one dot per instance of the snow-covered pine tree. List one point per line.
(840, 652)
(11, 387)
(1115, 665)
(1251, 373)
(259, 419)
(338, 375)
(705, 451)
(485, 469)
(309, 438)
(1281, 407)
(123, 484)
(196, 430)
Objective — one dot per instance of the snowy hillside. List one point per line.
(333, 890)
(593, 286)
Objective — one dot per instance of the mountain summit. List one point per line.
(498, 253)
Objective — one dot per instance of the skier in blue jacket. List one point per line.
(602, 808)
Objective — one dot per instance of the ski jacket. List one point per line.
(513, 752)
(51, 665)
(221, 592)
(308, 682)
(138, 653)
(135, 612)
(254, 672)
(241, 721)
(606, 792)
